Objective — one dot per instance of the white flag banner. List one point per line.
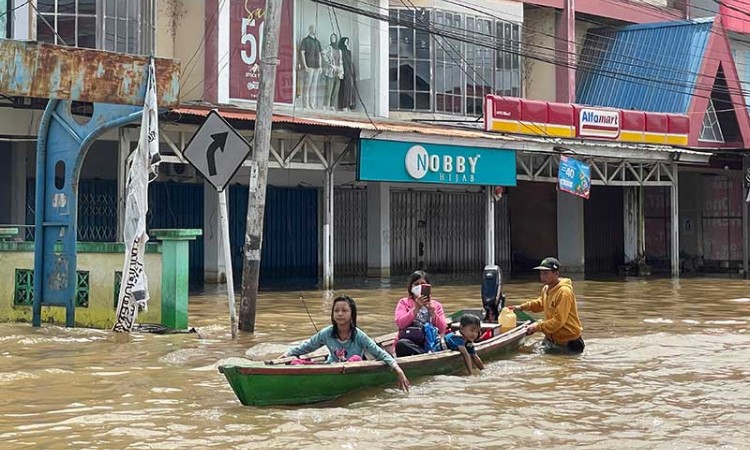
(133, 296)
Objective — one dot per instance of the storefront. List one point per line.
(632, 152)
(438, 206)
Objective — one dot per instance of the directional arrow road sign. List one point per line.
(217, 151)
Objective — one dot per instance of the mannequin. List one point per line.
(310, 56)
(348, 91)
(333, 72)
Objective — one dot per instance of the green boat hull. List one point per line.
(264, 384)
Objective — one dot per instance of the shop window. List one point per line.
(125, 26)
(711, 131)
(67, 22)
(440, 72)
(129, 26)
(335, 58)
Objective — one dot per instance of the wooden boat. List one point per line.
(276, 382)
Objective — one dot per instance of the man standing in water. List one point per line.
(561, 326)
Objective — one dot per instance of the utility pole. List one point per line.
(256, 203)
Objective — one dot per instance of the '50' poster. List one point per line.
(247, 21)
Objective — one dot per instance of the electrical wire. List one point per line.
(667, 85)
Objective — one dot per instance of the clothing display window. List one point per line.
(335, 59)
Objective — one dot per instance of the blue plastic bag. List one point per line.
(431, 338)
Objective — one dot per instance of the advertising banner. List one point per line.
(435, 163)
(574, 177)
(247, 20)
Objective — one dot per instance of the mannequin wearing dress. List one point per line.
(348, 90)
(333, 73)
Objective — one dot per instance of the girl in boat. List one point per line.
(345, 341)
(415, 311)
(463, 341)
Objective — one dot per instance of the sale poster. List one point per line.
(247, 20)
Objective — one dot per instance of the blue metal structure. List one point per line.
(651, 67)
(61, 149)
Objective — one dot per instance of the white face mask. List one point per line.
(417, 290)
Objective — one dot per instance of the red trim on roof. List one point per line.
(718, 54)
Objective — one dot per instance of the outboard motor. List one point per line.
(493, 299)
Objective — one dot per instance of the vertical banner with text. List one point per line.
(247, 19)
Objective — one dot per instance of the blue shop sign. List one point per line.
(434, 163)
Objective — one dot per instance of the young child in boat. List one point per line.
(463, 341)
(345, 341)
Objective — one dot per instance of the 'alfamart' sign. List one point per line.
(599, 123)
(520, 116)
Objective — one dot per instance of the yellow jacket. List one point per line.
(561, 323)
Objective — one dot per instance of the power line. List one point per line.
(648, 64)
(671, 85)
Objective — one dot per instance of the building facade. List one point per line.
(394, 73)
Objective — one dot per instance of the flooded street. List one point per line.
(666, 366)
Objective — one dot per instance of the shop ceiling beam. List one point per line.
(318, 153)
(352, 143)
(296, 149)
(37, 70)
(604, 173)
(177, 151)
(277, 155)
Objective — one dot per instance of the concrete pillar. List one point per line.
(379, 230)
(631, 217)
(675, 223)
(328, 197)
(565, 51)
(214, 267)
(380, 42)
(570, 234)
(23, 18)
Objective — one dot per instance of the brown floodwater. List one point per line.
(666, 366)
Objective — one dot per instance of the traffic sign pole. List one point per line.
(224, 219)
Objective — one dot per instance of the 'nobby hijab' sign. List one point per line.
(381, 160)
